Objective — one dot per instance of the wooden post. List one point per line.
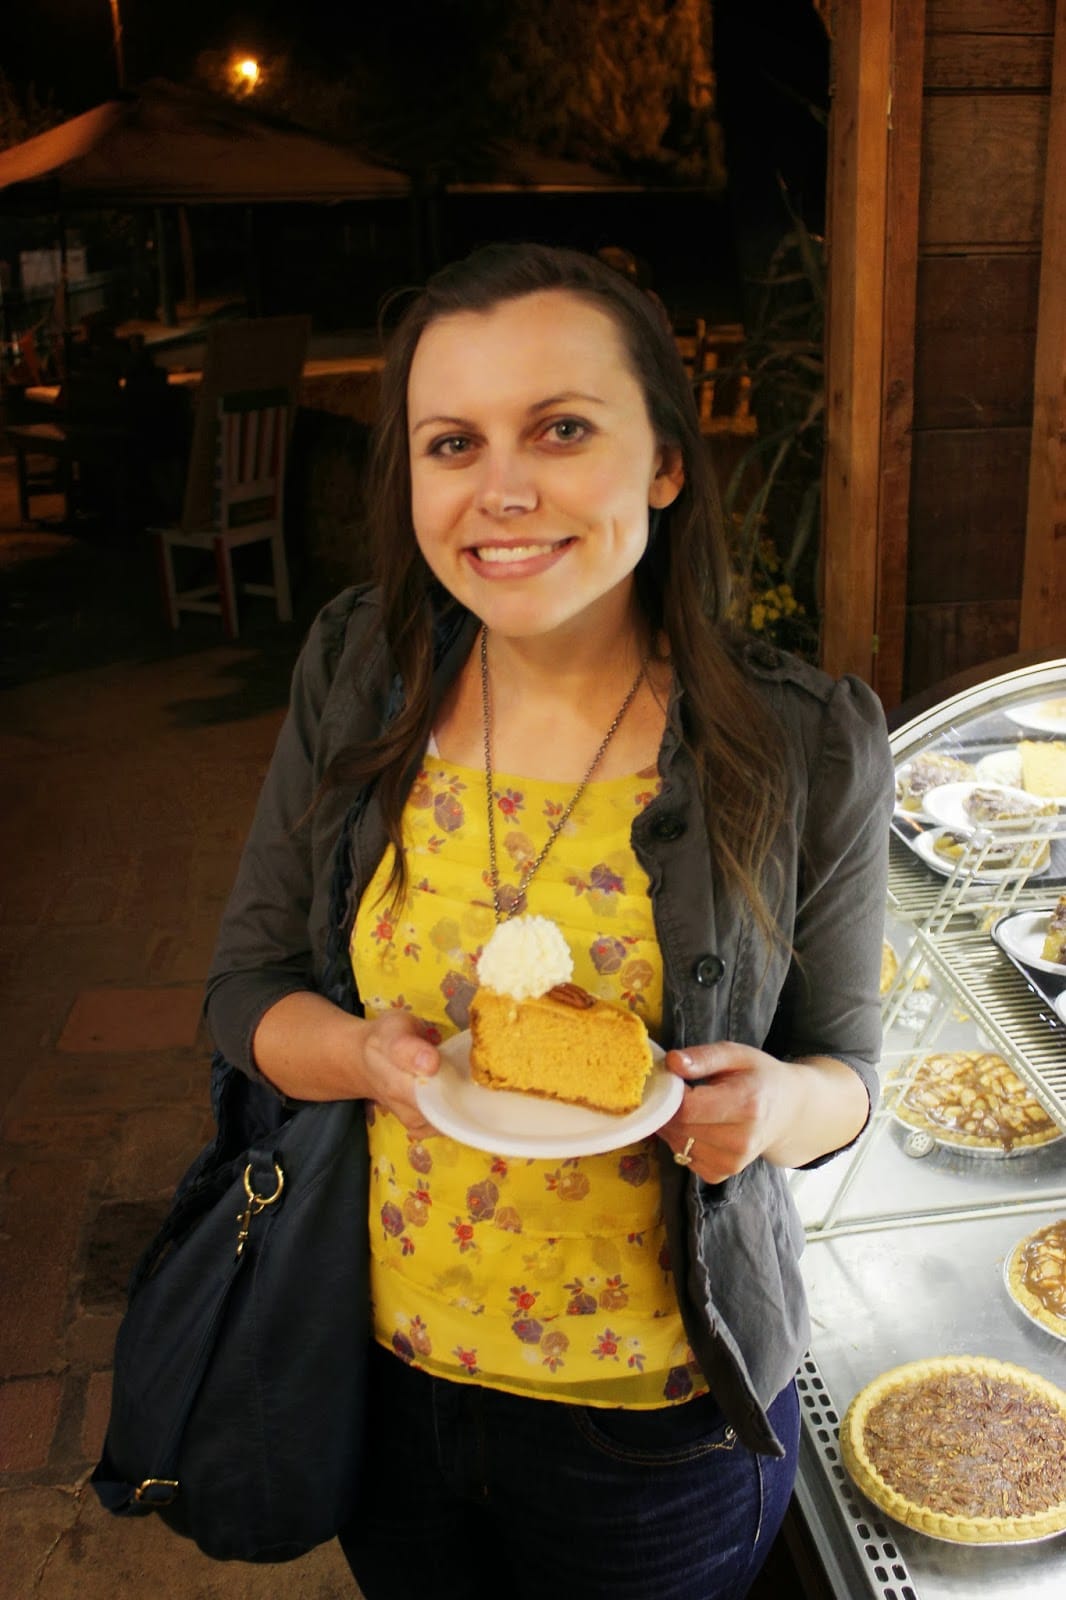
(857, 208)
(900, 304)
(1043, 608)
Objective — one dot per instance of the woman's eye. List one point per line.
(567, 430)
(454, 444)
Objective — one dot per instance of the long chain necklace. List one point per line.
(517, 902)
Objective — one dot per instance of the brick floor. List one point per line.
(41, 1225)
(119, 1020)
(29, 1412)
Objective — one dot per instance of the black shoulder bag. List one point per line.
(240, 1364)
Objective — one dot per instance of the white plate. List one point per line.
(1022, 936)
(1003, 768)
(1038, 714)
(924, 845)
(508, 1124)
(1043, 1326)
(945, 804)
(1060, 1006)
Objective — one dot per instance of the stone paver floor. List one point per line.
(131, 760)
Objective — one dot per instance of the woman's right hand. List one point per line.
(310, 1049)
(396, 1054)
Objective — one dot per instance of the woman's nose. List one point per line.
(506, 488)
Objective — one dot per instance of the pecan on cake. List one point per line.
(971, 1100)
(1036, 1276)
(962, 1448)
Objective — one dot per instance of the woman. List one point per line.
(582, 1369)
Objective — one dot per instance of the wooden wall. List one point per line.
(986, 96)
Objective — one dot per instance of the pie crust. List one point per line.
(1036, 1276)
(972, 1100)
(962, 1448)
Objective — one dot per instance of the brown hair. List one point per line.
(683, 578)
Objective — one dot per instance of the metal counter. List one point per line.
(904, 1261)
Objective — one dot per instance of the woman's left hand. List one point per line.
(733, 1113)
(744, 1103)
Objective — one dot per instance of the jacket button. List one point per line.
(668, 828)
(709, 970)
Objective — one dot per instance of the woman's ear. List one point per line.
(669, 479)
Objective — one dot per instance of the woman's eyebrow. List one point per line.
(441, 421)
(563, 398)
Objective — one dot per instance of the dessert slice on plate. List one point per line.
(535, 1032)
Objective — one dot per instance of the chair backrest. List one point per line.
(258, 354)
(252, 433)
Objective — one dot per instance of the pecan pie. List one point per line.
(970, 1099)
(1036, 1276)
(962, 1448)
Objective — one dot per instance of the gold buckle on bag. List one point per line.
(143, 1491)
(256, 1203)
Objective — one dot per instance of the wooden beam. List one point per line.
(900, 310)
(1043, 613)
(856, 218)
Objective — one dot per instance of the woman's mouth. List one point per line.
(531, 556)
(501, 554)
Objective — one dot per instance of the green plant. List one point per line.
(773, 498)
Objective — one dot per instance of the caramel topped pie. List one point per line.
(889, 966)
(962, 1448)
(1036, 1276)
(970, 1099)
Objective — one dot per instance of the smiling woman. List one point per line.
(533, 467)
(586, 1360)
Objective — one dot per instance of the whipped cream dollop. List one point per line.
(524, 958)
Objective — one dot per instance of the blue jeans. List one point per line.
(472, 1492)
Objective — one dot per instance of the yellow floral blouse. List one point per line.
(541, 1277)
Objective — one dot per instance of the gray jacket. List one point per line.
(734, 1246)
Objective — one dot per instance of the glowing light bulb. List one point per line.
(248, 72)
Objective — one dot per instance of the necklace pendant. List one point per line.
(512, 901)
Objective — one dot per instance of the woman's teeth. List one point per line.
(500, 554)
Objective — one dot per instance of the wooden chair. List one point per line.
(251, 443)
(249, 366)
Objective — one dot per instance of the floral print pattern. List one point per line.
(540, 1277)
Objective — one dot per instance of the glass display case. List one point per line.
(910, 1234)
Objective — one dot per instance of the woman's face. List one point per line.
(533, 463)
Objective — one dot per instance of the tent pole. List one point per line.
(188, 259)
(167, 314)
